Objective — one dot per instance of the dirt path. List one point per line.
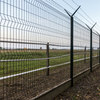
(87, 88)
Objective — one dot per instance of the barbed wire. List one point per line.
(58, 6)
(86, 14)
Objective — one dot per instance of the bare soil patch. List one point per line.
(28, 86)
(88, 88)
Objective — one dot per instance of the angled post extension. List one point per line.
(71, 44)
(91, 45)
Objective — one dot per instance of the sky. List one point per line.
(38, 22)
(90, 7)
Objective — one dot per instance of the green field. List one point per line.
(9, 68)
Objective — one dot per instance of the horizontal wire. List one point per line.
(44, 58)
(85, 13)
(10, 76)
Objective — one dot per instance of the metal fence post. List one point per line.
(71, 45)
(91, 50)
(71, 52)
(47, 59)
(91, 45)
(85, 55)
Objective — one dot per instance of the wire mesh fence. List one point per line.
(81, 46)
(95, 48)
(35, 48)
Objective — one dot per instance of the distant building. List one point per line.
(25, 48)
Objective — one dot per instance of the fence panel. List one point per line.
(25, 28)
(95, 52)
(35, 47)
(81, 46)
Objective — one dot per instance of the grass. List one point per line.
(9, 68)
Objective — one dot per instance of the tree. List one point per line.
(40, 48)
(0, 48)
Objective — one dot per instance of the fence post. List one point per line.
(99, 49)
(91, 50)
(71, 45)
(85, 55)
(91, 45)
(71, 52)
(47, 58)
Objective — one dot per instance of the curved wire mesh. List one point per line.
(35, 47)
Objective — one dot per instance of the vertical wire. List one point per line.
(10, 50)
(13, 52)
(0, 52)
(26, 46)
(16, 52)
(7, 53)
(4, 53)
(26, 41)
(29, 44)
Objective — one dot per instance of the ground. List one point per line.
(88, 88)
(25, 87)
